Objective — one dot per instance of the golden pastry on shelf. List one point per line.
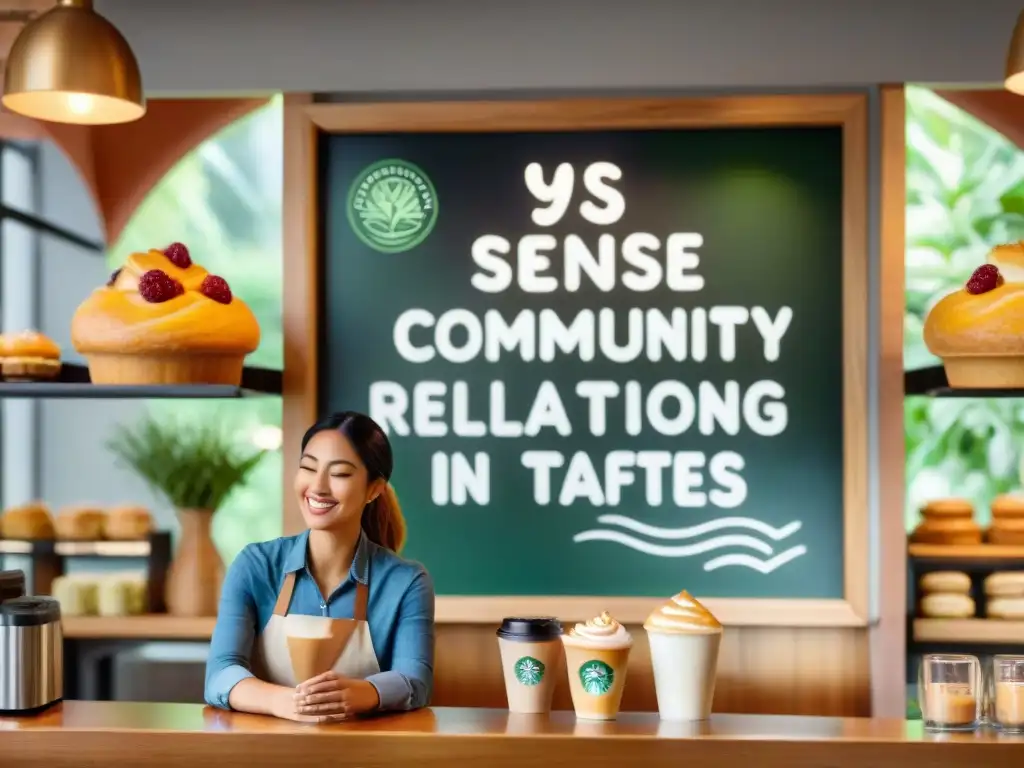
(1007, 526)
(978, 331)
(944, 606)
(29, 356)
(80, 523)
(128, 523)
(947, 521)
(28, 522)
(946, 582)
(77, 595)
(162, 319)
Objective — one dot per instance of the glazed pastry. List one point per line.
(161, 319)
(128, 523)
(978, 331)
(1008, 506)
(29, 522)
(80, 524)
(947, 521)
(1005, 584)
(946, 582)
(1007, 521)
(947, 606)
(29, 356)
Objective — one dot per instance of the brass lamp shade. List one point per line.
(1015, 59)
(71, 65)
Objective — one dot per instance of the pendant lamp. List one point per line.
(70, 65)
(1015, 59)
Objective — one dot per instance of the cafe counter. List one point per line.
(78, 733)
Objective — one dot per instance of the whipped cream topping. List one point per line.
(600, 632)
(1009, 260)
(683, 614)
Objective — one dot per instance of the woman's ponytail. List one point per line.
(383, 522)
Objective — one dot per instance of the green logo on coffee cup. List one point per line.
(392, 206)
(529, 671)
(596, 677)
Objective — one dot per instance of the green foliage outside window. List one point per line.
(965, 194)
(223, 200)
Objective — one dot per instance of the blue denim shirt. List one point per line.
(400, 612)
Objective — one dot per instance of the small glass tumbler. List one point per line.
(950, 691)
(1007, 693)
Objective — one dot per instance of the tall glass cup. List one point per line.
(950, 690)
(1007, 693)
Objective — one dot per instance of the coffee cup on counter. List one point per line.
(531, 660)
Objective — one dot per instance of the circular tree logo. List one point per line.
(392, 206)
(529, 671)
(596, 677)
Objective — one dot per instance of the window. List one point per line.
(965, 194)
(223, 200)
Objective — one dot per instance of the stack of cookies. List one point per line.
(1007, 520)
(1004, 595)
(947, 521)
(946, 595)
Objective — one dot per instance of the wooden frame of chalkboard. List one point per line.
(307, 122)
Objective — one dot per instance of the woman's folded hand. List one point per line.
(329, 697)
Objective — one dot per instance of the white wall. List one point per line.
(360, 46)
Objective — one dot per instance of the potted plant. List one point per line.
(194, 467)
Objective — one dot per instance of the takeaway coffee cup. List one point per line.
(531, 659)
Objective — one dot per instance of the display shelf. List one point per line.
(49, 556)
(969, 631)
(73, 383)
(962, 553)
(932, 382)
(148, 627)
(76, 548)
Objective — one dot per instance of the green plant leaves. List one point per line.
(194, 466)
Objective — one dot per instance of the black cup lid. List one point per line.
(29, 612)
(12, 584)
(530, 628)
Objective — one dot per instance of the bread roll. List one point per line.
(29, 356)
(1008, 506)
(29, 522)
(940, 606)
(80, 524)
(1007, 537)
(77, 595)
(1006, 608)
(948, 532)
(948, 508)
(1005, 584)
(115, 596)
(946, 582)
(128, 523)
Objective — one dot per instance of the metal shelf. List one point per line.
(932, 382)
(73, 383)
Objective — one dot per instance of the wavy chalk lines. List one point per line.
(707, 545)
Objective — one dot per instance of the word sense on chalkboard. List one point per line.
(610, 363)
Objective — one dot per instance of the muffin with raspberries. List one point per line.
(162, 319)
(978, 331)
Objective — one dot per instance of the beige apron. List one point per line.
(347, 649)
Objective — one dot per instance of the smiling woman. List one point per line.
(299, 634)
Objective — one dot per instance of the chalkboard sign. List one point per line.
(611, 362)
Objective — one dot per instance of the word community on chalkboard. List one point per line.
(610, 363)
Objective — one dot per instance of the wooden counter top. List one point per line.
(178, 735)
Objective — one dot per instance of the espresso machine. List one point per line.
(31, 649)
